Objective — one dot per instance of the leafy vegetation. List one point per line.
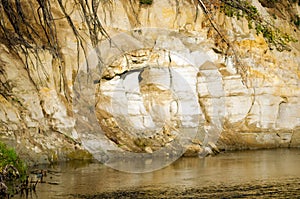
(296, 20)
(296, 1)
(8, 156)
(239, 9)
(146, 2)
(274, 36)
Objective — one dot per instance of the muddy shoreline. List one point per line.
(290, 188)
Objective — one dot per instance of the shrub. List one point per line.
(8, 156)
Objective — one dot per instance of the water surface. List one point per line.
(244, 174)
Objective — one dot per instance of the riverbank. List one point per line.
(245, 174)
(289, 188)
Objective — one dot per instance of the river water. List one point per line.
(243, 174)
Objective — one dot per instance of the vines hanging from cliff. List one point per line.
(92, 20)
(242, 69)
(27, 35)
(94, 24)
(18, 34)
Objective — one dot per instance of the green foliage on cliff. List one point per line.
(296, 20)
(241, 8)
(146, 2)
(8, 156)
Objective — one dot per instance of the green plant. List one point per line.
(271, 1)
(146, 2)
(8, 156)
(274, 36)
(296, 21)
(296, 1)
(239, 8)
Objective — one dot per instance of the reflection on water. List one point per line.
(248, 174)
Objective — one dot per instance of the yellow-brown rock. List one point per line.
(153, 72)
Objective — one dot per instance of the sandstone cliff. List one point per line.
(143, 73)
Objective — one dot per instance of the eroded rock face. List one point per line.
(152, 84)
(151, 102)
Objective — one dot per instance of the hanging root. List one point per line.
(28, 32)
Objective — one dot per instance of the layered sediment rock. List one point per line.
(162, 69)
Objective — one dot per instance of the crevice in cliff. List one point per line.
(281, 107)
(177, 12)
(5, 86)
(253, 99)
(204, 111)
(169, 68)
(121, 75)
(195, 2)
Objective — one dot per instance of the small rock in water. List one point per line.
(211, 149)
(214, 148)
(148, 149)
